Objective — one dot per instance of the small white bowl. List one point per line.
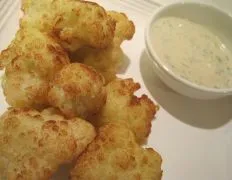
(201, 13)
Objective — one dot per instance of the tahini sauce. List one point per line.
(193, 52)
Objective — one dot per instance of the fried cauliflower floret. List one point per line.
(78, 90)
(31, 60)
(31, 43)
(74, 23)
(26, 5)
(124, 107)
(125, 28)
(108, 61)
(34, 145)
(114, 154)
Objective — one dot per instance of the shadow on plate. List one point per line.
(206, 114)
(124, 64)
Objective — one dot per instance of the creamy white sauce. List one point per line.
(193, 52)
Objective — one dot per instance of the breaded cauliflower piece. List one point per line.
(114, 154)
(108, 61)
(122, 106)
(74, 23)
(125, 28)
(34, 144)
(31, 43)
(78, 90)
(25, 5)
(31, 61)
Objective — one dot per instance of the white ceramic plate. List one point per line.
(194, 137)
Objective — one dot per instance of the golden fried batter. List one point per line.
(74, 23)
(31, 61)
(33, 144)
(31, 43)
(114, 154)
(125, 28)
(78, 90)
(123, 107)
(108, 61)
(26, 5)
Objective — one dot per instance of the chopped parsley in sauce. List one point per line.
(193, 52)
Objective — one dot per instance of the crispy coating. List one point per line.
(31, 43)
(74, 23)
(33, 144)
(125, 28)
(122, 106)
(78, 90)
(108, 61)
(25, 5)
(31, 61)
(115, 155)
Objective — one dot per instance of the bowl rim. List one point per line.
(156, 58)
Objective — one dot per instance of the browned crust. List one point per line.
(122, 106)
(115, 154)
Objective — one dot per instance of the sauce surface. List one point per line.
(193, 52)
